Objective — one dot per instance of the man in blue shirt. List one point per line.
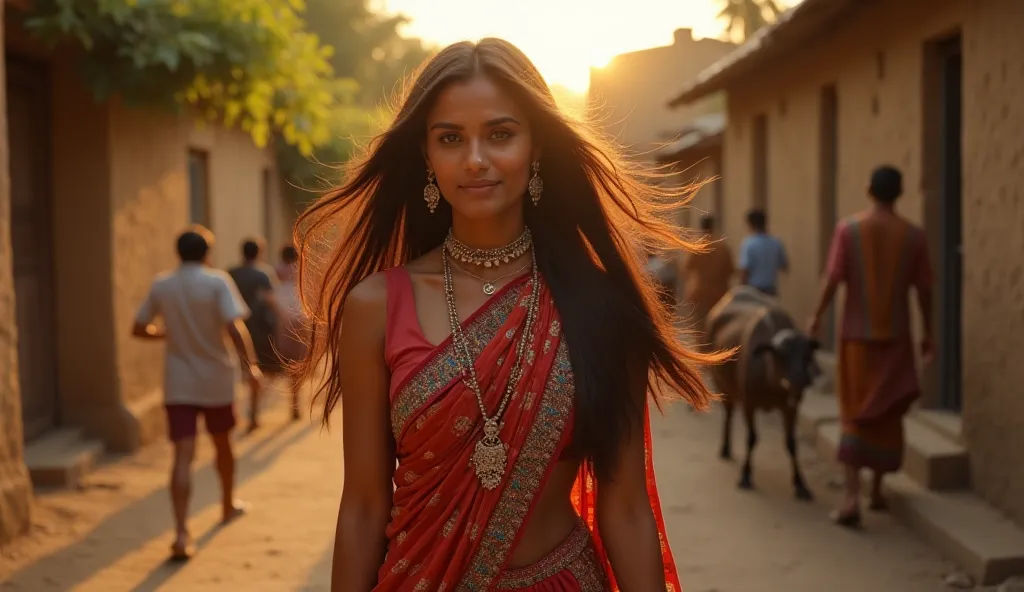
(762, 256)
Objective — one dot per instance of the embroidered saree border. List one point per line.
(442, 367)
(575, 555)
(529, 470)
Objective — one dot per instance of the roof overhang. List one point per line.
(797, 26)
(703, 134)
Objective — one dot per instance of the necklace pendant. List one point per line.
(489, 288)
(490, 456)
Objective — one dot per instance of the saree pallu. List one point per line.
(447, 532)
(877, 384)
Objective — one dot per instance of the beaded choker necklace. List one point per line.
(488, 257)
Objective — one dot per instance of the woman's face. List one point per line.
(479, 145)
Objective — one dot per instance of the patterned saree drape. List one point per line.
(446, 531)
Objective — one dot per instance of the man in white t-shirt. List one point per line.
(201, 312)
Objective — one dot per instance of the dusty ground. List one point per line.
(113, 535)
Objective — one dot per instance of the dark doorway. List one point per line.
(28, 117)
(199, 187)
(950, 56)
(828, 195)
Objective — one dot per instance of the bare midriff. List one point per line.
(552, 520)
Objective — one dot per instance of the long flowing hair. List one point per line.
(599, 218)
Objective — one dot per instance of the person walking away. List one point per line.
(256, 282)
(198, 305)
(880, 256)
(291, 334)
(762, 256)
(706, 276)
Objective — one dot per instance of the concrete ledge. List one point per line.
(148, 419)
(989, 546)
(815, 410)
(985, 543)
(15, 500)
(61, 458)
(933, 460)
(123, 426)
(826, 383)
(929, 458)
(947, 423)
(827, 440)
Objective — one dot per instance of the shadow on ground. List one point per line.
(150, 517)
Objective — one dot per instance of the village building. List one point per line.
(90, 204)
(816, 102)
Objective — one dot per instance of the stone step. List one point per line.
(947, 423)
(988, 545)
(933, 460)
(61, 458)
(985, 543)
(929, 457)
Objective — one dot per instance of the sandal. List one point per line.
(181, 553)
(239, 509)
(846, 519)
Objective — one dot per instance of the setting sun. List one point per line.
(564, 38)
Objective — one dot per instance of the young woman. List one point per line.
(484, 318)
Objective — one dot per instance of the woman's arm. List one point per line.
(359, 543)
(624, 515)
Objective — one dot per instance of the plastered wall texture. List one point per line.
(15, 488)
(120, 192)
(878, 63)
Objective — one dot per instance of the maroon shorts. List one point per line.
(182, 420)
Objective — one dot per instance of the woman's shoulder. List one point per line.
(367, 297)
(428, 263)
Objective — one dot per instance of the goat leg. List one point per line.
(800, 488)
(745, 475)
(726, 452)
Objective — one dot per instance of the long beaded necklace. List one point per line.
(490, 456)
(488, 257)
(490, 285)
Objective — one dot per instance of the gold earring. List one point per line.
(431, 194)
(536, 186)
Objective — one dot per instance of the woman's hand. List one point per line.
(360, 543)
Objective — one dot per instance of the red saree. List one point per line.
(447, 532)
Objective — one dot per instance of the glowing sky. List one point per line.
(563, 37)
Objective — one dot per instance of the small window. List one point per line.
(199, 187)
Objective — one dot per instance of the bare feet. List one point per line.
(237, 509)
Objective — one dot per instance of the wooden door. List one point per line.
(28, 113)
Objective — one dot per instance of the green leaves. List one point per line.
(250, 63)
